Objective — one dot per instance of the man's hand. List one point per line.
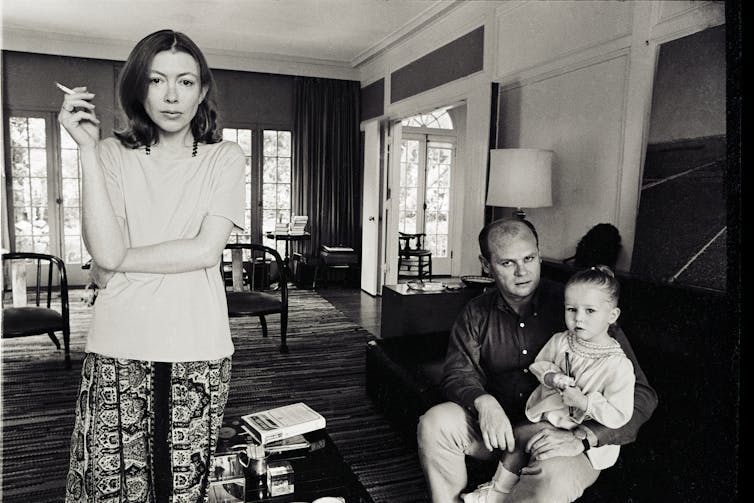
(496, 428)
(553, 442)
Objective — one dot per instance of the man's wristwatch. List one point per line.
(581, 435)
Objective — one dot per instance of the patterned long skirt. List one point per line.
(145, 432)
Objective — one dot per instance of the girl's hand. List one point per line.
(559, 380)
(573, 397)
(78, 118)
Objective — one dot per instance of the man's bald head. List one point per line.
(502, 228)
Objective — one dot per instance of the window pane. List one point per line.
(411, 195)
(72, 252)
(37, 132)
(283, 216)
(284, 170)
(19, 132)
(22, 223)
(38, 162)
(270, 143)
(72, 220)
(39, 191)
(276, 176)
(70, 161)
(284, 143)
(66, 142)
(24, 243)
(19, 163)
(269, 170)
(268, 220)
(284, 196)
(430, 223)
(269, 195)
(71, 192)
(244, 139)
(42, 244)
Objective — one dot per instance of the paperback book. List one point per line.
(283, 422)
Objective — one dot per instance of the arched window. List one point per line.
(437, 119)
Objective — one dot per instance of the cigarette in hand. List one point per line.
(64, 89)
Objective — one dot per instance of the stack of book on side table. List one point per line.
(282, 423)
(298, 225)
(281, 228)
(272, 431)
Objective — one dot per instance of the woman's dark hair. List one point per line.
(600, 276)
(133, 86)
(600, 245)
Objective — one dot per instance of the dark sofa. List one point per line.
(684, 341)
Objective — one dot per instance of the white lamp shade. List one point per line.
(520, 178)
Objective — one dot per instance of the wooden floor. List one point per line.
(360, 307)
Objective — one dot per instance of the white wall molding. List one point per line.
(425, 19)
(672, 19)
(460, 21)
(583, 59)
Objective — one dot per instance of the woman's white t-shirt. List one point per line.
(167, 317)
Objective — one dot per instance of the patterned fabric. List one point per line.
(111, 446)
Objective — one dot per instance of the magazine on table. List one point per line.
(283, 422)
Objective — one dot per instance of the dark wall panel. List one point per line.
(459, 58)
(373, 100)
(243, 98)
(255, 98)
(29, 83)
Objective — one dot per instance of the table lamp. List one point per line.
(520, 178)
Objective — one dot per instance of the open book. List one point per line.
(283, 422)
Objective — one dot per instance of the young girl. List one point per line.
(159, 202)
(584, 374)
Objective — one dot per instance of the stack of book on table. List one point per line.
(298, 224)
(281, 228)
(283, 425)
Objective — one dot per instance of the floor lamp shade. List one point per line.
(520, 178)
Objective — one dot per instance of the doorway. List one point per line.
(425, 182)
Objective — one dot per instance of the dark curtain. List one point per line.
(327, 174)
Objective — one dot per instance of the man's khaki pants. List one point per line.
(447, 434)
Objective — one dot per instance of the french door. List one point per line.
(43, 190)
(426, 167)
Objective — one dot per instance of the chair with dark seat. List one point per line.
(256, 284)
(414, 260)
(41, 317)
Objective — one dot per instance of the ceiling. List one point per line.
(340, 32)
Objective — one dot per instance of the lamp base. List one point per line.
(520, 214)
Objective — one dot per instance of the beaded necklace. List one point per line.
(194, 149)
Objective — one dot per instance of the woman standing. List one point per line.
(159, 202)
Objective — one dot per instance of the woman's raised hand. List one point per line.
(78, 118)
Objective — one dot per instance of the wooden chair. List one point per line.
(413, 256)
(22, 319)
(256, 284)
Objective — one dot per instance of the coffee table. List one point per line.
(317, 473)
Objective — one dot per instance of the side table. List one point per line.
(414, 312)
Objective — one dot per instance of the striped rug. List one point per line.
(325, 369)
